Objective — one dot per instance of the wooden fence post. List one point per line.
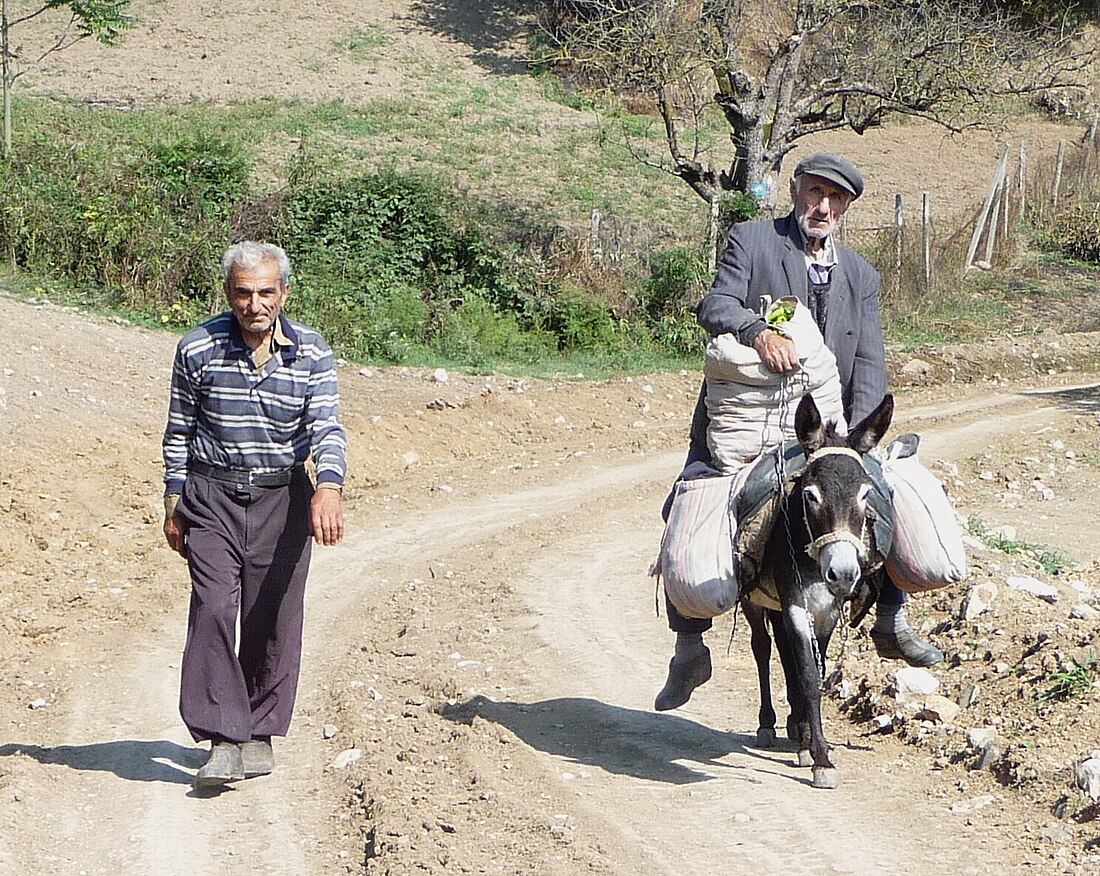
(926, 236)
(991, 235)
(1058, 173)
(595, 245)
(899, 227)
(998, 178)
(712, 236)
(1022, 179)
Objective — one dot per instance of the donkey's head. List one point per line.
(835, 488)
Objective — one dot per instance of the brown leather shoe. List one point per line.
(223, 765)
(906, 645)
(257, 757)
(683, 678)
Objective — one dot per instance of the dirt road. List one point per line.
(484, 639)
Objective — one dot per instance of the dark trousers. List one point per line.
(248, 553)
(699, 455)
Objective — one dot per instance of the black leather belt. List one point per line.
(245, 476)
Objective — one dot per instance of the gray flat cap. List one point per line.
(835, 168)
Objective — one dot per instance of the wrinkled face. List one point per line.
(818, 205)
(256, 296)
(835, 492)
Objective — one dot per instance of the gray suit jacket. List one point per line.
(765, 258)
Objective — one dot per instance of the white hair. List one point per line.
(249, 254)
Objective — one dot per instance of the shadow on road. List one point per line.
(1083, 399)
(132, 759)
(646, 745)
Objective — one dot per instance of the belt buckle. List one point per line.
(251, 474)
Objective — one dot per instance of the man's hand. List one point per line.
(776, 351)
(175, 527)
(326, 516)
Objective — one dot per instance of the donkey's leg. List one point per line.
(809, 683)
(761, 651)
(796, 720)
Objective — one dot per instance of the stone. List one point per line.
(940, 709)
(1087, 775)
(1083, 611)
(974, 804)
(979, 600)
(440, 375)
(1027, 584)
(329, 730)
(969, 695)
(916, 368)
(913, 680)
(345, 758)
(979, 738)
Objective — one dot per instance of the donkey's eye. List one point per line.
(812, 494)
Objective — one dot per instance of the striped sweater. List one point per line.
(225, 413)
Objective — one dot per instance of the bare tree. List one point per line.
(775, 71)
(102, 19)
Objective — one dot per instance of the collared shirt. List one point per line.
(819, 263)
(227, 410)
(265, 351)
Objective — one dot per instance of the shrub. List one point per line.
(1076, 233)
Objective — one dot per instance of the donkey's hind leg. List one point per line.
(761, 651)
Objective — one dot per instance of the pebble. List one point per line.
(36, 704)
(329, 730)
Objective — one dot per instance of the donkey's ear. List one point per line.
(808, 426)
(872, 427)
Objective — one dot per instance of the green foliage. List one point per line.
(104, 20)
(1051, 562)
(133, 228)
(1069, 682)
(737, 207)
(131, 212)
(1075, 233)
(666, 299)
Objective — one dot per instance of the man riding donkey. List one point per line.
(794, 257)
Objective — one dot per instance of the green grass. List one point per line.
(1050, 561)
(1069, 682)
(361, 43)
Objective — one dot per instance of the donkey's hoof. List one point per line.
(765, 737)
(806, 759)
(825, 777)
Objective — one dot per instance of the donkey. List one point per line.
(815, 560)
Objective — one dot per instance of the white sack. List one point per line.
(927, 550)
(697, 561)
(752, 408)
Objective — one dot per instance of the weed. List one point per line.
(1051, 562)
(360, 43)
(1066, 684)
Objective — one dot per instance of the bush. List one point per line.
(667, 298)
(1076, 233)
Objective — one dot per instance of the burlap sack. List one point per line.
(927, 550)
(751, 408)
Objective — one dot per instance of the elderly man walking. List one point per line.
(797, 255)
(253, 398)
